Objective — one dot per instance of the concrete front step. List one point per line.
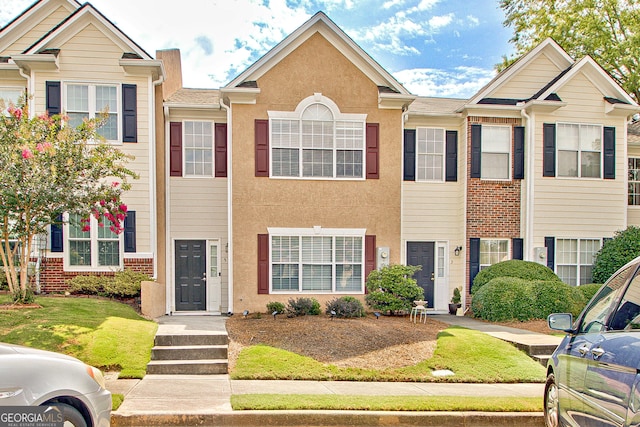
(188, 367)
(189, 352)
(212, 338)
(541, 358)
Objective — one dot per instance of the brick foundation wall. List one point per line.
(53, 278)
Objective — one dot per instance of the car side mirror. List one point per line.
(560, 322)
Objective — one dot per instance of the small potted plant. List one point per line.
(455, 301)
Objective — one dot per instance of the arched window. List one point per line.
(317, 141)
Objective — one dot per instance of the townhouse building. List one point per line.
(315, 165)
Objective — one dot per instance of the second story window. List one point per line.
(88, 101)
(198, 148)
(496, 152)
(579, 150)
(317, 141)
(430, 145)
(11, 95)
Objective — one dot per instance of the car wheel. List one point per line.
(551, 404)
(72, 417)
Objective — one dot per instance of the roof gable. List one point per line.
(30, 18)
(549, 48)
(77, 21)
(321, 24)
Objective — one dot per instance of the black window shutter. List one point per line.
(609, 148)
(517, 248)
(129, 113)
(476, 150)
(409, 154)
(57, 244)
(474, 260)
(550, 244)
(549, 149)
(451, 162)
(518, 152)
(54, 98)
(130, 232)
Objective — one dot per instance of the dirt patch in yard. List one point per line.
(363, 342)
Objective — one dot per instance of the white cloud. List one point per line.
(460, 82)
(425, 5)
(473, 21)
(391, 3)
(438, 22)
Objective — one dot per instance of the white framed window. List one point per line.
(574, 259)
(496, 152)
(493, 251)
(430, 154)
(317, 141)
(198, 148)
(83, 100)
(634, 181)
(579, 150)
(303, 260)
(10, 96)
(92, 246)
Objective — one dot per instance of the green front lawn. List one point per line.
(473, 356)
(106, 334)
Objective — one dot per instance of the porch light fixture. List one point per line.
(457, 250)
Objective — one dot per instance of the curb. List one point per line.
(333, 418)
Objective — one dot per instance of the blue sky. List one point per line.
(444, 48)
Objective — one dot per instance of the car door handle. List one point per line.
(597, 352)
(583, 350)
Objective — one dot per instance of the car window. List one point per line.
(595, 316)
(627, 316)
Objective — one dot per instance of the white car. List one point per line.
(31, 377)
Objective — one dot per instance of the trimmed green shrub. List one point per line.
(346, 306)
(303, 306)
(553, 296)
(588, 291)
(123, 284)
(4, 284)
(504, 298)
(615, 253)
(513, 268)
(87, 285)
(393, 289)
(275, 306)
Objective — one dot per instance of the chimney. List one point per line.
(172, 69)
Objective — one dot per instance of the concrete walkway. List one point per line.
(205, 399)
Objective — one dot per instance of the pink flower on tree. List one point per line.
(26, 153)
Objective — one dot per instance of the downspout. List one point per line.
(229, 206)
(153, 214)
(529, 180)
(168, 262)
(403, 255)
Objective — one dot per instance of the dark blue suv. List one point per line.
(593, 377)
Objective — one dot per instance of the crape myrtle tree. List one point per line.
(47, 168)
(606, 30)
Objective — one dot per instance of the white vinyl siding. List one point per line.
(430, 154)
(574, 259)
(496, 152)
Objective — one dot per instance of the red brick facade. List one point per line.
(493, 207)
(53, 278)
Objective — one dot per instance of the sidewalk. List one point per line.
(205, 399)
